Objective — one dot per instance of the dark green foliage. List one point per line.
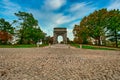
(29, 32)
(6, 26)
(114, 25)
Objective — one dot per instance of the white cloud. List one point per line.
(61, 18)
(115, 4)
(54, 4)
(70, 29)
(76, 7)
(79, 10)
(9, 7)
(76, 11)
(70, 34)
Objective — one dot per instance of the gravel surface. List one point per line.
(54, 63)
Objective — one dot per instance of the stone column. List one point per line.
(55, 38)
(65, 38)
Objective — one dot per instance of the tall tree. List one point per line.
(114, 24)
(96, 24)
(80, 34)
(29, 29)
(93, 25)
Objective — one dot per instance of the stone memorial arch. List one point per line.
(60, 32)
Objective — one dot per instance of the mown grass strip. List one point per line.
(94, 47)
(21, 46)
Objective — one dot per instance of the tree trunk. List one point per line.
(21, 40)
(99, 41)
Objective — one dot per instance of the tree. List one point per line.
(29, 28)
(92, 26)
(114, 24)
(6, 31)
(96, 23)
(6, 26)
(80, 34)
(77, 38)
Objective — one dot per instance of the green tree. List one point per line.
(6, 26)
(92, 26)
(114, 24)
(80, 34)
(30, 31)
(96, 24)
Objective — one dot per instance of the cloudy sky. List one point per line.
(55, 13)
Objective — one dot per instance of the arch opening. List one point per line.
(60, 39)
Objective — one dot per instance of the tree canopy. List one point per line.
(30, 31)
(97, 24)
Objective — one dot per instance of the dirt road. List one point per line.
(58, 62)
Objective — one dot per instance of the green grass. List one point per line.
(94, 47)
(21, 46)
(75, 45)
(43, 45)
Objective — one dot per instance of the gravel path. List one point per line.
(54, 63)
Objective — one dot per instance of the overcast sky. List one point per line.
(55, 13)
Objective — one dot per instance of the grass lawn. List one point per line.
(75, 45)
(94, 47)
(21, 46)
